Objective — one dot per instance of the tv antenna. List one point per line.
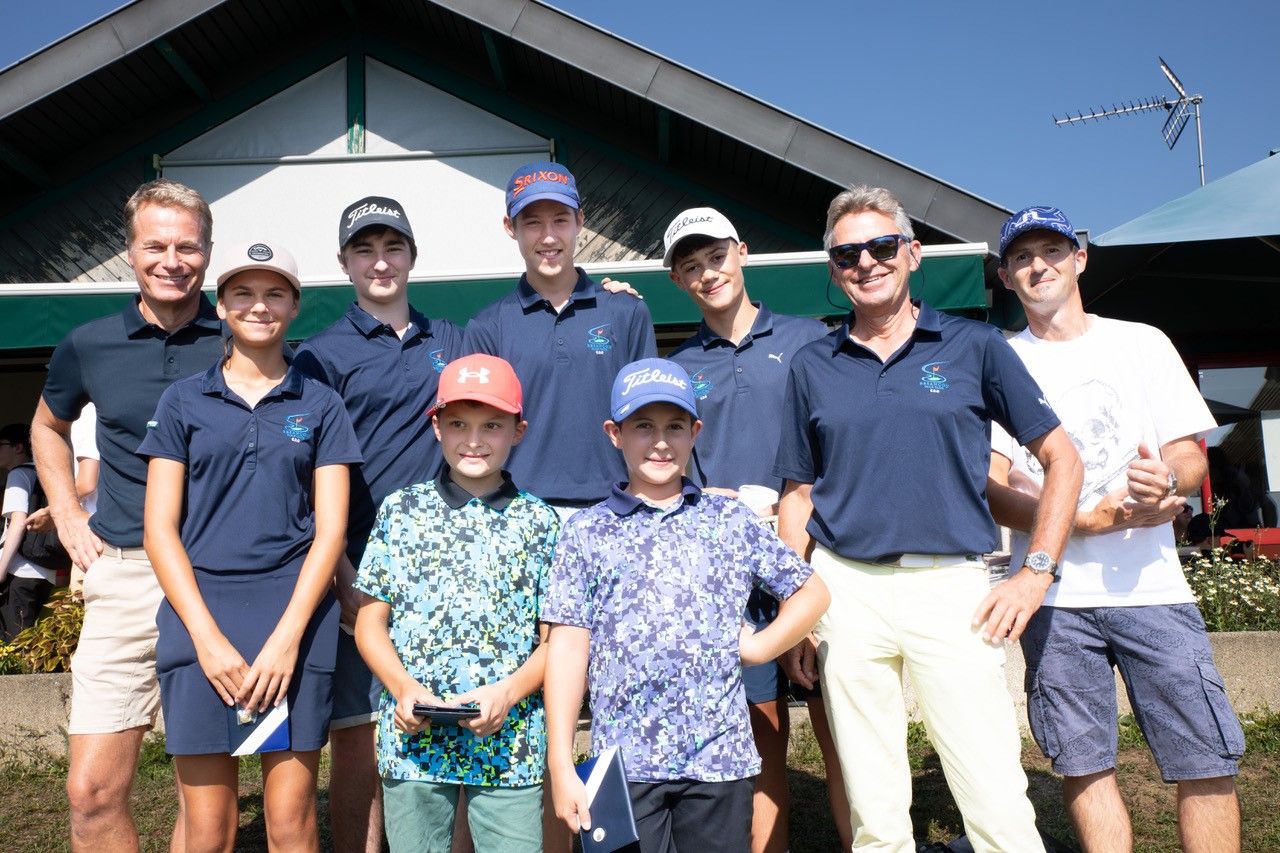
(1180, 110)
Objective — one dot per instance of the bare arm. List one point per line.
(12, 541)
(51, 446)
(373, 638)
(495, 700)
(796, 617)
(86, 477)
(166, 486)
(800, 662)
(268, 679)
(1007, 609)
(566, 678)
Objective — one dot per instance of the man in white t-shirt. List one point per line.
(24, 585)
(1121, 599)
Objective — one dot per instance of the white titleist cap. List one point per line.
(696, 222)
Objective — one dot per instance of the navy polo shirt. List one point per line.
(740, 391)
(387, 383)
(898, 451)
(249, 470)
(566, 363)
(122, 364)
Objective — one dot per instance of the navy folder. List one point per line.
(613, 824)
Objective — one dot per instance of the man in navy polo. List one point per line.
(384, 359)
(122, 363)
(567, 338)
(885, 452)
(738, 362)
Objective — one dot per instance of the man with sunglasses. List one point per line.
(1128, 402)
(885, 455)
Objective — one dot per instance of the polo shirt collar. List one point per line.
(763, 325)
(622, 502)
(214, 384)
(457, 497)
(584, 288)
(928, 320)
(369, 325)
(206, 316)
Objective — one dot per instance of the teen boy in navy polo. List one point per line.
(122, 363)
(886, 452)
(245, 515)
(738, 362)
(453, 577)
(646, 595)
(384, 359)
(566, 337)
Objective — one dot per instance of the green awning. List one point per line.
(790, 284)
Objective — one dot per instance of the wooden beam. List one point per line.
(183, 69)
(25, 166)
(496, 63)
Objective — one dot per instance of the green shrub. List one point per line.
(1241, 594)
(47, 646)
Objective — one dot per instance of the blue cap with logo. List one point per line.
(651, 380)
(1035, 219)
(537, 181)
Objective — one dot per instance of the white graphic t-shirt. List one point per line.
(1117, 385)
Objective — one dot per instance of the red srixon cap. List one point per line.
(482, 378)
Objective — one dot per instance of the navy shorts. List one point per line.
(355, 689)
(683, 815)
(1177, 695)
(764, 682)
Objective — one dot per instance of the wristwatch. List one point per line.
(1173, 484)
(1041, 563)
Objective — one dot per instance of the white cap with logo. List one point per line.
(260, 255)
(696, 221)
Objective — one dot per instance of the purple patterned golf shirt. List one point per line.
(662, 592)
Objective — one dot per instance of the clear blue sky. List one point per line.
(963, 91)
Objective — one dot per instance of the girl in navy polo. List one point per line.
(245, 520)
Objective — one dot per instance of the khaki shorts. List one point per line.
(113, 672)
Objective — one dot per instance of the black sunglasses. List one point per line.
(847, 255)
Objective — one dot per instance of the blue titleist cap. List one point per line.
(536, 181)
(651, 380)
(1035, 219)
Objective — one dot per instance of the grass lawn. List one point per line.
(33, 809)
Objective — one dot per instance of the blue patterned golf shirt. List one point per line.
(662, 593)
(465, 578)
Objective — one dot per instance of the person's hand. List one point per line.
(81, 543)
(1148, 477)
(720, 490)
(222, 665)
(569, 796)
(1007, 609)
(1117, 511)
(409, 695)
(619, 287)
(41, 521)
(267, 681)
(494, 700)
(800, 663)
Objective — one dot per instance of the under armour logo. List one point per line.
(481, 376)
(776, 356)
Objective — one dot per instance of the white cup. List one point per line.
(757, 497)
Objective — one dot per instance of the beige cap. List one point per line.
(260, 255)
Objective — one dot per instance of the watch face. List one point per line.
(1039, 562)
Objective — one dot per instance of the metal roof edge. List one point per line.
(111, 37)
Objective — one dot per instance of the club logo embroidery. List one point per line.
(260, 252)
(599, 339)
(294, 429)
(437, 360)
(701, 385)
(932, 377)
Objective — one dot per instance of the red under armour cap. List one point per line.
(482, 378)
